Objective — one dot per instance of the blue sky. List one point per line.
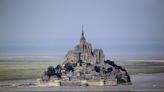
(124, 29)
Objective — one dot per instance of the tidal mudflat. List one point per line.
(145, 76)
(140, 82)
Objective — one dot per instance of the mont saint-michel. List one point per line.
(85, 66)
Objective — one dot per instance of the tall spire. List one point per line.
(82, 31)
(82, 39)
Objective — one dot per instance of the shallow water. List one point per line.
(140, 82)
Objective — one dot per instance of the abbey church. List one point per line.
(84, 52)
(85, 66)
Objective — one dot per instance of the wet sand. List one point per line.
(140, 82)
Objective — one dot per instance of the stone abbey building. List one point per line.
(84, 52)
(85, 66)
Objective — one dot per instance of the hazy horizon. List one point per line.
(124, 29)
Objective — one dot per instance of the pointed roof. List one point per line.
(82, 35)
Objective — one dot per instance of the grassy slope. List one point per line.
(18, 69)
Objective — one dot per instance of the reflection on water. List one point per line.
(140, 82)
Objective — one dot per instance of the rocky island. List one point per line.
(85, 66)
